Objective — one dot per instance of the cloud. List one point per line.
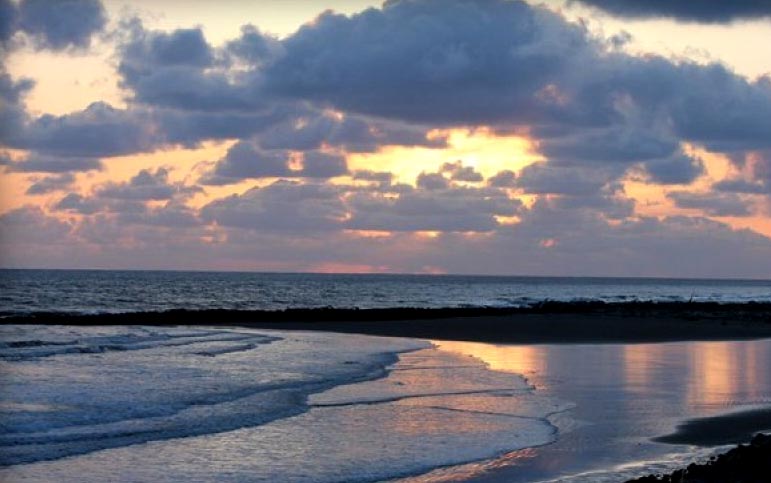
(543, 178)
(432, 181)
(381, 177)
(281, 206)
(76, 203)
(460, 62)
(61, 24)
(435, 61)
(317, 164)
(685, 10)
(711, 204)
(8, 18)
(146, 186)
(503, 179)
(755, 177)
(42, 163)
(458, 172)
(244, 160)
(179, 69)
(677, 169)
(447, 209)
(29, 224)
(313, 130)
(50, 184)
(98, 131)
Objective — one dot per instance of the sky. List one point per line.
(563, 137)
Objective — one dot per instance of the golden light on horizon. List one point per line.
(479, 148)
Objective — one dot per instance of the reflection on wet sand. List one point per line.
(625, 394)
(713, 374)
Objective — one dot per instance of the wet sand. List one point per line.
(719, 430)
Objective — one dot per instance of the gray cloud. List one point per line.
(283, 206)
(60, 24)
(721, 204)
(55, 164)
(8, 18)
(50, 184)
(543, 178)
(757, 179)
(245, 160)
(146, 186)
(317, 164)
(447, 210)
(312, 130)
(685, 10)
(458, 172)
(677, 169)
(503, 179)
(76, 203)
(98, 131)
(432, 181)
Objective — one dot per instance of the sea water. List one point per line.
(182, 404)
(102, 291)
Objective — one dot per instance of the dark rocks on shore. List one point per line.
(750, 463)
(748, 312)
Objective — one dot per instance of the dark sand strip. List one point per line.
(723, 429)
(548, 322)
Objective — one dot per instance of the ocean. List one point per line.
(111, 291)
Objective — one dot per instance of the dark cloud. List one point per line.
(458, 172)
(317, 164)
(435, 61)
(50, 184)
(742, 186)
(12, 113)
(283, 206)
(8, 18)
(447, 210)
(253, 47)
(146, 186)
(42, 163)
(543, 178)
(459, 62)
(381, 177)
(314, 130)
(705, 11)
(76, 203)
(503, 179)
(98, 131)
(179, 69)
(757, 174)
(172, 215)
(721, 204)
(677, 169)
(244, 160)
(432, 181)
(613, 145)
(61, 24)
(29, 226)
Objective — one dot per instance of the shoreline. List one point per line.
(543, 323)
(749, 463)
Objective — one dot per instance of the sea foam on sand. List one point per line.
(171, 404)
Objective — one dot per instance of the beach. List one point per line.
(474, 411)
